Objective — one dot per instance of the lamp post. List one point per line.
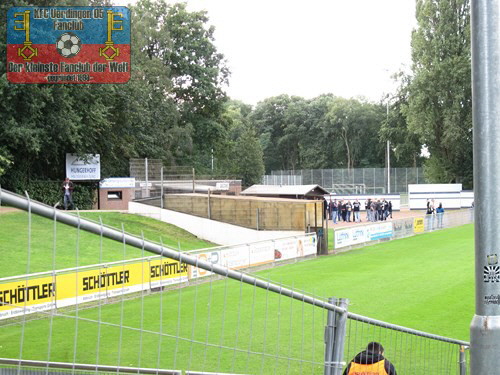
(388, 152)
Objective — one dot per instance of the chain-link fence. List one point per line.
(153, 179)
(228, 323)
(350, 181)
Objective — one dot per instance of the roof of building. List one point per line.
(274, 190)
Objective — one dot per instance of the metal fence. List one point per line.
(231, 323)
(350, 181)
(152, 179)
(361, 235)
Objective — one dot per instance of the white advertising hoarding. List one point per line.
(87, 167)
(360, 234)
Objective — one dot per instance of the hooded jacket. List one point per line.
(369, 363)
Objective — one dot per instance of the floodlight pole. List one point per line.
(485, 326)
(388, 154)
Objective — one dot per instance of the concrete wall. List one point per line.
(209, 230)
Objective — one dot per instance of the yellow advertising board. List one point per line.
(28, 292)
(166, 271)
(418, 225)
(65, 289)
(81, 283)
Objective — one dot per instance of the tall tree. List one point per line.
(356, 123)
(406, 147)
(250, 166)
(270, 121)
(171, 106)
(440, 100)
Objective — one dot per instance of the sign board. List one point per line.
(87, 167)
(68, 44)
(117, 183)
(418, 225)
(222, 186)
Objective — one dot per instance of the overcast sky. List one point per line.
(345, 47)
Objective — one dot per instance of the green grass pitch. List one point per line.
(423, 282)
(14, 242)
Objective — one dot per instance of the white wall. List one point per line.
(467, 197)
(206, 229)
(450, 195)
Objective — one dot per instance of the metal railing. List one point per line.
(280, 326)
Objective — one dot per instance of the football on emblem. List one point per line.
(68, 44)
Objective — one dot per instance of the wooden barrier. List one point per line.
(250, 212)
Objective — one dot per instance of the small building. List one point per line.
(286, 191)
(115, 193)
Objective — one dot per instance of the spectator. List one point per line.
(380, 210)
(390, 209)
(348, 207)
(344, 211)
(335, 209)
(67, 188)
(386, 208)
(370, 361)
(373, 210)
(439, 214)
(430, 207)
(356, 207)
(367, 208)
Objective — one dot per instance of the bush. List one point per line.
(50, 193)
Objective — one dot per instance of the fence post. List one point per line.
(339, 339)
(462, 362)
(209, 213)
(335, 338)
(161, 193)
(194, 190)
(257, 218)
(146, 176)
(329, 337)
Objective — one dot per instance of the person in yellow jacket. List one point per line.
(370, 361)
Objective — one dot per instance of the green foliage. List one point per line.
(439, 107)
(170, 109)
(324, 132)
(405, 143)
(50, 193)
(250, 165)
(357, 124)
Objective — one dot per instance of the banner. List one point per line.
(213, 257)
(360, 234)
(296, 247)
(235, 257)
(61, 45)
(261, 253)
(380, 231)
(70, 287)
(88, 284)
(32, 295)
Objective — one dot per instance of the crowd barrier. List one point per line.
(384, 230)
(33, 293)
